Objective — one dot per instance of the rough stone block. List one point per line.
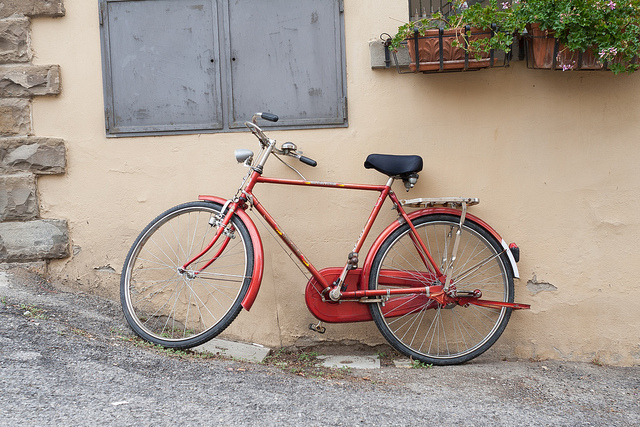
(31, 8)
(15, 40)
(33, 240)
(25, 81)
(18, 197)
(15, 117)
(38, 155)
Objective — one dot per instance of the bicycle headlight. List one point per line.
(242, 155)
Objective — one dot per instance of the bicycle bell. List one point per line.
(288, 147)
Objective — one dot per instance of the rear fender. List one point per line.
(430, 211)
(258, 252)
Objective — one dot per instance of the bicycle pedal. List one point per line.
(317, 328)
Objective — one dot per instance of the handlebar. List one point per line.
(307, 161)
(270, 117)
(266, 116)
(290, 150)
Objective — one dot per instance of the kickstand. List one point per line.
(318, 328)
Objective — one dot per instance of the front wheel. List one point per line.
(421, 328)
(182, 308)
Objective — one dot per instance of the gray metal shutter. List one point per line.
(286, 57)
(162, 64)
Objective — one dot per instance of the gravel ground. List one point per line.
(70, 359)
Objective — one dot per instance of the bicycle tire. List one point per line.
(426, 331)
(183, 310)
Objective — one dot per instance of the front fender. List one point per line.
(430, 211)
(258, 252)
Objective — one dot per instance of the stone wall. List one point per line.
(24, 235)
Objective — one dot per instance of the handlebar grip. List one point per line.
(270, 117)
(308, 161)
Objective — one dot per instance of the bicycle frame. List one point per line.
(338, 289)
(434, 292)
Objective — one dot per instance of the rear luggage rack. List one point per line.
(454, 202)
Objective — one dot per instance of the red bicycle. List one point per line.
(437, 282)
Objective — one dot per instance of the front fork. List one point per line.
(222, 222)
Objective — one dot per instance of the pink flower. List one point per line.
(505, 5)
(612, 51)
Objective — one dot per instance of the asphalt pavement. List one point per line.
(66, 359)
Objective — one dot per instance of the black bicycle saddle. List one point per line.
(393, 165)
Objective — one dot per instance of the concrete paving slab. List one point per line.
(403, 363)
(354, 362)
(237, 350)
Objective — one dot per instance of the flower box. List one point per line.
(444, 50)
(544, 51)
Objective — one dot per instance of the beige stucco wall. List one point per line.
(553, 157)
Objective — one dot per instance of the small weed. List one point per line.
(81, 332)
(3, 300)
(171, 351)
(345, 370)
(33, 312)
(303, 364)
(308, 357)
(175, 352)
(387, 357)
(204, 355)
(116, 331)
(417, 364)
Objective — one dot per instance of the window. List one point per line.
(191, 66)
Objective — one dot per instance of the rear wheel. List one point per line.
(420, 327)
(175, 308)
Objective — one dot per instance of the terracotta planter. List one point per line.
(436, 51)
(545, 52)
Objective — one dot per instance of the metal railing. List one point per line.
(419, 9)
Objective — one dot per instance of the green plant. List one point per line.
(308, 357)
(611, 28)
(476, 16)
(33, 312)
(417, 364)
(345, 370)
